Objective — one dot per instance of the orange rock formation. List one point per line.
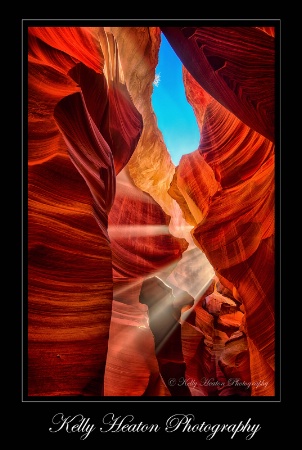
(107, 209)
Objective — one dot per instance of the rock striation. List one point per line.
(140, 272)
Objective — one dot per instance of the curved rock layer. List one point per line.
(76, 145)
(107, 210)
(236, 66)
(232, 207)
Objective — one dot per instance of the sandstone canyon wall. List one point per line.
(108, 211)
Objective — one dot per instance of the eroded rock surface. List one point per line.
(107, 210)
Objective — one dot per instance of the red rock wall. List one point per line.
(107, 208)
(231, 197)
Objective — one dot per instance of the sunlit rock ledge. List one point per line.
(107, 209)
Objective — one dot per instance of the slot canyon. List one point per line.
(146, 278)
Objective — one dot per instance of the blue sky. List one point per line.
(175, 117)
